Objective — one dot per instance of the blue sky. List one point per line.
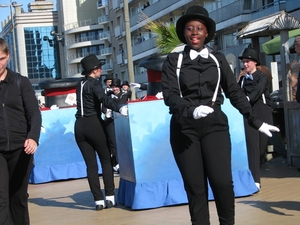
(5, 12)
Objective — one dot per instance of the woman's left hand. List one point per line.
(30, 146)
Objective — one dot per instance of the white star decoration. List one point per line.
(69, 127)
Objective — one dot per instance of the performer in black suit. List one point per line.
(192, 83)
(90, 134)
(256, 86)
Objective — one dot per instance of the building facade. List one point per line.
(35, 48)
(50, 44)
(86, 31)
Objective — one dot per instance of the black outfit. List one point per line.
(257, 89)
(128, 93)
(91, 136)
(20, 119)
(202, 147)
(121, 100)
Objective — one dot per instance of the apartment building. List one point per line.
(230, 17)
(79, 28)
(36, 50)
(86, 29)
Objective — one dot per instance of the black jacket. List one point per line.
(20, 115)
(93, 95)
(198, 79)
(256, 88)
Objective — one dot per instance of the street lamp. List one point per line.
(13, 4)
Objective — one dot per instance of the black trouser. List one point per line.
(15, 168)
(110, 127)
(202, 150)
(91, 138)
(256, 141)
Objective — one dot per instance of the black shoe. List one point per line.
(109, 204)
(99, 207)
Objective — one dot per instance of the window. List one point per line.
(42, 53)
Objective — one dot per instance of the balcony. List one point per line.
(102, 4)
(151, 10)
(105, 51)
(232, 10)
(87, 41)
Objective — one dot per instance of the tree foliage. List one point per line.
(167, 38)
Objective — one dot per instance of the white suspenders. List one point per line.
(179, 62)
(263, 95)
(81, 99)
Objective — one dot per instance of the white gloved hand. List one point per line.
(159, 95)
(124, 110)
(202, 111)
(135, 85)
(266, 129)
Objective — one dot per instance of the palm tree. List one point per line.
(167, 38)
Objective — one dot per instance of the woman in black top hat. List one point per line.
(120, 98)
(199, 132)
(256, 85)
(126, 89)
(90, 132)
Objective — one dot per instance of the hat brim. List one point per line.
(208, 22)
(255, 60)
(107, 79)
(86, 72)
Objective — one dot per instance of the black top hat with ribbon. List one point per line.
(108, 77)
(125, 83)
(198, 13)
(116, 82)
(250, 53)
(90, 63)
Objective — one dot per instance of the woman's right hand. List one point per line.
(202, 111)
(124, 110)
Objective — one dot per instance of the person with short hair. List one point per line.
(20, 126)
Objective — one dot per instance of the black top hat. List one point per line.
(125, 83)
(196, 12)
(116, 82)
(108, 77)
(90, 63)
(250, 53)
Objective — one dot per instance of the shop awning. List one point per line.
(270, 25)
(273, 46)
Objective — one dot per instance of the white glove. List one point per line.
(108, 113)
(135, 85)
(124, 110)
(159, 95)
(202, 111)
(266, 129)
